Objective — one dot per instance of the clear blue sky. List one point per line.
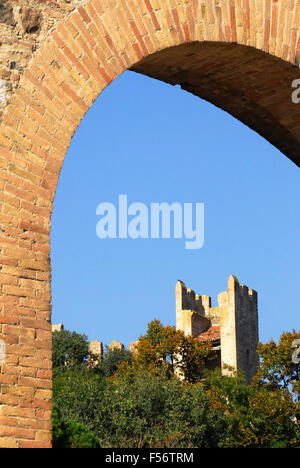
(157, 143)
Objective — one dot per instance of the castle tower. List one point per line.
(232, 326)
(190, 312)
(95, 353)
(115, 345)
(133, 347)
(57, 327)
(239, 328)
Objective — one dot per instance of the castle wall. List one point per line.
(191, 311)
(246, 331)
(95, 353)
(228, 328)
(237, 316)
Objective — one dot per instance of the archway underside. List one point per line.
(251, 85)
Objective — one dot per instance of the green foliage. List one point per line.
(70, 349)
(78, 396)
(138, 401)
(144, 411)
(81, 437)
(276, 368)
(59, 433)
(112, 359)
(169, 349)
(71, 435)
(154, 411)
(257, 417)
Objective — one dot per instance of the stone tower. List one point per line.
(232, 326)
(95, 353)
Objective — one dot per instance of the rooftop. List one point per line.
(212, 334)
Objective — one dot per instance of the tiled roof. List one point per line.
(212, 334)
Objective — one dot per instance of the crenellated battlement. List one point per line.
(234, 322)
(96, 347)
(232, 326)
(186, 299)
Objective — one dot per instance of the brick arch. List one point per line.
(242, 56)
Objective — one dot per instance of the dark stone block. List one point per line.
(30, 20)
(6, 13)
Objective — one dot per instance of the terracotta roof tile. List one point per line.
(212, 334)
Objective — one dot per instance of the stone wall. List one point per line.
(236, 315)
(24, 25)
(191, 310)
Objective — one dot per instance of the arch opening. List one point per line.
(131, 93)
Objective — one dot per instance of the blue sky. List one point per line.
(157, 143)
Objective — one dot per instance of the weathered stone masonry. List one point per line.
(231, 326)
(55, 59)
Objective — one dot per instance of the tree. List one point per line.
(276, 367)
(112, 359)
(77, 393)
(139, 408)
(257, 416)
(70, 349)
(193, 357)
(145, 409)
(71, 435)
(169, 349)
(139, 401)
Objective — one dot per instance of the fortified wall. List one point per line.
(96, 348)
(232, 326)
